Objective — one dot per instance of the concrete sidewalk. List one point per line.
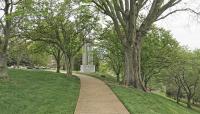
(97, 98)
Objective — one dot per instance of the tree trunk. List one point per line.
(58, 66)
(193, 101)
(132, 66)
(3, 66)
(18, 61)
(63, 66)
(72, 63)
(69, 68)
(58, 57)
(68, 65)
(189, 101)
(117, 77)
(145, 83)
(129, 73)
(177, 95)
(137, 65)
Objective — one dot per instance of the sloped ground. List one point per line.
(37, 92)
(138, 102)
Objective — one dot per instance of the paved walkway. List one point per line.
(97, 98)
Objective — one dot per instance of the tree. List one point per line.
(159, 50)
(174, 89)
(52, 49)
(131, 25)
(58, 23)
(8, 22)
(186, 74)
(196, 98)
(113, 52)
(57, 54)
(18, 49)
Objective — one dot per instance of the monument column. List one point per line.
(87, 59)
(85, 55)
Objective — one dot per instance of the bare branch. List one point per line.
(172, 12)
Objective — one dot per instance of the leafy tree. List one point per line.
(60, 24)
(11, 11)
(51, 49)
(18, 50)
(159, 51)
(174, 89)
(131, 25)
(186, 74)
(196, 98)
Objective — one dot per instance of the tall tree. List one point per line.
(8, 22)
(132, 19)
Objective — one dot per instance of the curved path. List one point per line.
(97, 98)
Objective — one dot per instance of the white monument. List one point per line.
(87, 59)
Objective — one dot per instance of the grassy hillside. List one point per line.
(37, 92)
(138, 102)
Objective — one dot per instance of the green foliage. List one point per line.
(17, 52)
(65, 24)
(37, 92)
(40, 58)
(185, 73)
(159, 50)
(111, 51)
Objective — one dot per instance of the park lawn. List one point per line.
(139, 102)
(38, 92)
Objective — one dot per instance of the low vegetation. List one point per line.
(38, 92)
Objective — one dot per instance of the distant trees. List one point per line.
(18, 50)
(196, 98)
(185, 73)
(50, 49)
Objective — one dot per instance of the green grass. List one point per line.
(38, 92)
(139, 102)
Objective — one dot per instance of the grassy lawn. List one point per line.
(138, 102)
(38, 92)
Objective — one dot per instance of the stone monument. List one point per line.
(87, 59)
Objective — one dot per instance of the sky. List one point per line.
(184, 26)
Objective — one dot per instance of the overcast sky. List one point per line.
(185, 27)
